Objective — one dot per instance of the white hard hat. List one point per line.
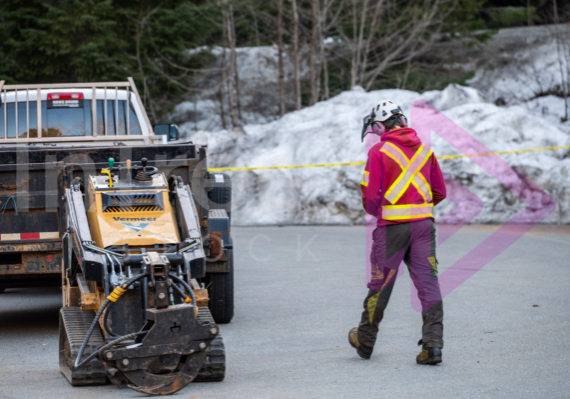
(383, 111)
(386, 109)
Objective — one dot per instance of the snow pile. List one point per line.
(329, 132)
(532, 75)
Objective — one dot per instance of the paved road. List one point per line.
(296, 303)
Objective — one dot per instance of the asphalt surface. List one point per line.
(298, 292)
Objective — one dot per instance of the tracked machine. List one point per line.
(139, 239)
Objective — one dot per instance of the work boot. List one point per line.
(429, 355)
(362, 350)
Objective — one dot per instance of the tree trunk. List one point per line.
(374, 25)
(234, 63)
(528, 13)
(360, 67)
(221, 91)
(323, 61)
(353, 60)
(296, 67)
(314, 38)
(280, 46)
(229, 70)
(559, 51)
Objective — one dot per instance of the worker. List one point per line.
(402, 182)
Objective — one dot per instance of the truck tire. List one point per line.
(221, 292)
(2, 290)
(220, 195)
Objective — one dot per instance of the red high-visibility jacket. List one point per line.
(402, 180)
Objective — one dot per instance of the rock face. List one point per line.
(329, 132)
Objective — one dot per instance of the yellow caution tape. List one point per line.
(562, 147)
(321, 165)
(285, 167)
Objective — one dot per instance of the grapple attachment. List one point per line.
(169, 357)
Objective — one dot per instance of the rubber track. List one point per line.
(214, 368)
(77, 324)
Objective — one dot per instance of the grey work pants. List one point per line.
(414, 243)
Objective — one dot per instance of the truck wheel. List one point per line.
(220, 195)
(221, 292)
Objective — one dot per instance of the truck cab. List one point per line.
(79, 114)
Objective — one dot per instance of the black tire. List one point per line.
(220, 194)
(2, 290)
(221, 292)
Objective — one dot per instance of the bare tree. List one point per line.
(280, 47)
(141, 25)
(377, 42)
(315, 23)
(230, 68)
(296, 65)
(560, 49)
(234, 62)
(333, 8)
(323, 58)
(221, 87)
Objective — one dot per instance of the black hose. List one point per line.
(121, 339)
(180, 292)
(91, 328)
(105, 319)
(190, 292)
(98, 315)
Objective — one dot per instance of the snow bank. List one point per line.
(532, 74)
(329, 132)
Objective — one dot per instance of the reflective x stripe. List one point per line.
(365, 178)
(409, 172)
(423, 187)
(407, 212)
(401, 159)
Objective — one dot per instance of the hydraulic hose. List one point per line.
(118, 340)
(186, 286)
(90, 331)
(105, 324)
(179, 290)
(116, 294)
(184, 296)
(88, 244)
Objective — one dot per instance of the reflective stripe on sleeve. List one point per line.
(365, 178)
(407, 212)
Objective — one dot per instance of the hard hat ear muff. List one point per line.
(381, 128)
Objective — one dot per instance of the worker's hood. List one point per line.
(405, 136)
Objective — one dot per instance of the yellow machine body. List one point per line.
(138, 215)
